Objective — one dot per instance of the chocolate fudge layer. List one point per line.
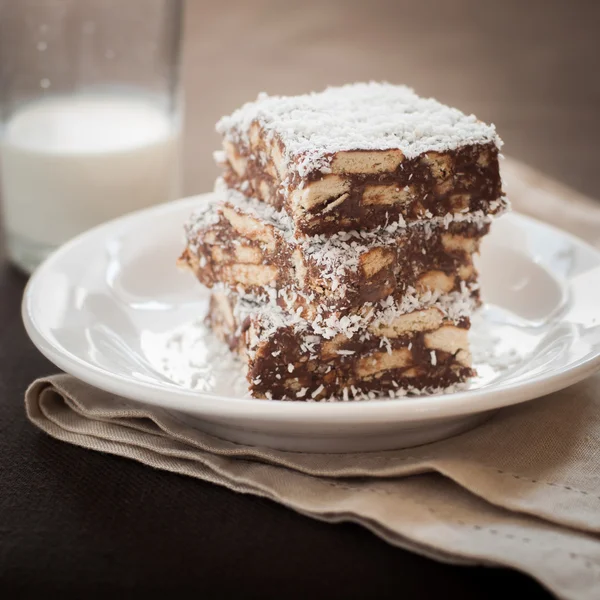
(421, 352)
(250, 247)
(359, 157)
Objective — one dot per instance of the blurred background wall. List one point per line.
(529, 66)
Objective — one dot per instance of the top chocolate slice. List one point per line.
(360, 156)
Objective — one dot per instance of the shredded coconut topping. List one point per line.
(360, 116)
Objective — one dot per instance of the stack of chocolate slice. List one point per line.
(339, 245)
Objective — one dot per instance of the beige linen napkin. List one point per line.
(521, 491)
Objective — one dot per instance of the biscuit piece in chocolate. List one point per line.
(249, 247)
(359, 157)
(419, 352)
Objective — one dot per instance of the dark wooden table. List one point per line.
(85, 525)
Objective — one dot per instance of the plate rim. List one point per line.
(419, 408)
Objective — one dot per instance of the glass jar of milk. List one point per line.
(90, 116)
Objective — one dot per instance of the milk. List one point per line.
(68, 164)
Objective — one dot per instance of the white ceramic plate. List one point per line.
(111, 308)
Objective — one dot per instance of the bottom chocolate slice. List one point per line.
(421, 352)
